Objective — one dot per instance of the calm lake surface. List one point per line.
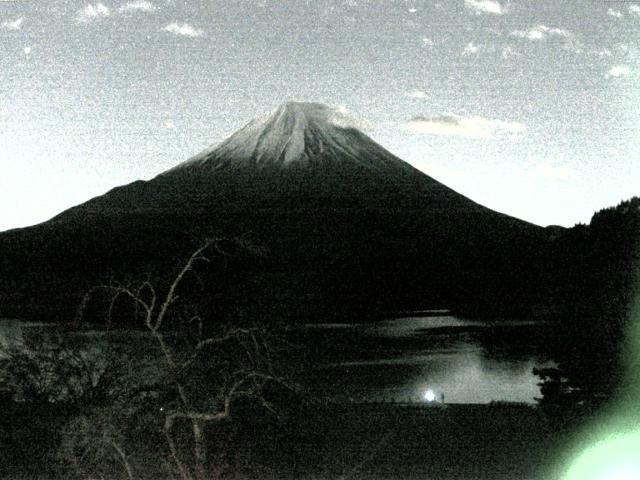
(401, 359)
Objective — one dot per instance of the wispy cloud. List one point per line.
(92, 12)
(634, 9)
(137, 6)
(13, 24)
(417, 94)
(184, 29)
(614, 13)
(470, 49)
(427, 42)
(485, 6)
(470, 127)
(619, 71)
(540, 32)
(341, 117)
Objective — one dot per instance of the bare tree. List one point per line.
(246, 379)
(58, 368)
(91, 444)
(53, 369)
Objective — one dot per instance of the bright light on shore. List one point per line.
(429, 396)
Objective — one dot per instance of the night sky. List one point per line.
(531, 108)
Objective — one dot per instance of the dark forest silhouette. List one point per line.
(594, 282)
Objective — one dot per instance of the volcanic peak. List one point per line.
(296, 133)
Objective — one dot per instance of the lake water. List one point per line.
(408, 359)
(455, 360)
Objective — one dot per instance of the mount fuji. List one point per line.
(300, 155)
(347, 227)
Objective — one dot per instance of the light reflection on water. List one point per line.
(398, 360)
(439, 353)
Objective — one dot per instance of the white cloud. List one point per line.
(634, 9)
(557, 31)
(470, 127)
(540, 32)
(619, 71)
(91, 12)
(137, 6)
(413, 10)
(614, 13)
(416, 94)
(427, 42)
(184, 30)
(343, 118)
(485, 6)
(13, 24)
(470, 49)
(533, 34)
(27, 51)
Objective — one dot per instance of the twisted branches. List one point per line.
(155, 310)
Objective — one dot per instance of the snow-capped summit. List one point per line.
(298, 134)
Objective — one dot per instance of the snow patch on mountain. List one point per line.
(294, 133)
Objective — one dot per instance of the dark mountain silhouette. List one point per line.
(346, 225)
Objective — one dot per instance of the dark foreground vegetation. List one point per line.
(316, 441)
(194, 398)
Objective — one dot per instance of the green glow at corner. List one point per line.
(617, 456)
(614, 459)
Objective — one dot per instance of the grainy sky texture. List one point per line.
(529, 107)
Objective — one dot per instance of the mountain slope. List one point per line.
(348, 226)
(307, 153)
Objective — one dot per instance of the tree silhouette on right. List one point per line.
(596, 271)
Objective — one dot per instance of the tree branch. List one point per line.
(171, 295)
(123, 458)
